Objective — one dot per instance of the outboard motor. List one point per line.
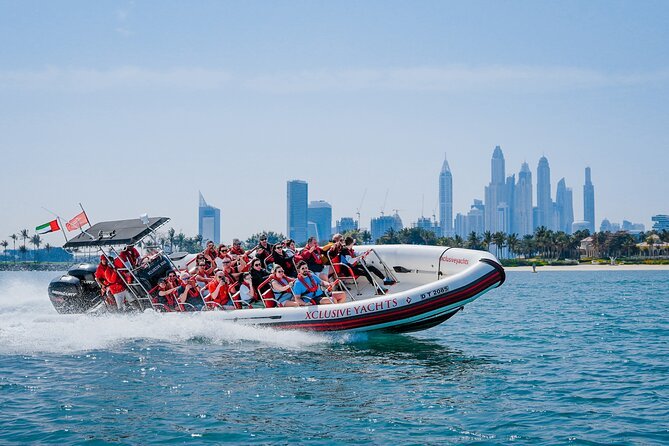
(77, 291)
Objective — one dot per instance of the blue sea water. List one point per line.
(554, 357)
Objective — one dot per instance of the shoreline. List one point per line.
(556, 268)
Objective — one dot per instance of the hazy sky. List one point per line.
(132, 107)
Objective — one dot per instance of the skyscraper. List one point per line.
(380, 225)
(320, 214)
(544, 201)
(446, 200)
(495, 192)
(209, 221)
(589, 201)
(296, 200)
(522, 208)
(565, 207)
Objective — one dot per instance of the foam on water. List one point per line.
(29, 324)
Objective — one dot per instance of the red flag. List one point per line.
(77, 222)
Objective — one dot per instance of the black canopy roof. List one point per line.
(119, 232)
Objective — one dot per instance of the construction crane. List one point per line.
(385, 200)
(357, 211)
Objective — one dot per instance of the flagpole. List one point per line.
(60, 222)
(87, 219)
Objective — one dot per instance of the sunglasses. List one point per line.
(279, 271)
(256, 264)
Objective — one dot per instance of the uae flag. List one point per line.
(52, 226)
(77, 222)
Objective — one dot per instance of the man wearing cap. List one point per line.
(102, 280)
(189, 293)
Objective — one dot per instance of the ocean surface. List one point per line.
(552, 358)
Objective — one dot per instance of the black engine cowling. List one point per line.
(75, 292)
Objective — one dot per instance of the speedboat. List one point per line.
(430, 284)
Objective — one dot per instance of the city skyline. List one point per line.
(116, 97)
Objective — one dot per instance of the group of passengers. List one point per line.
(230, 277)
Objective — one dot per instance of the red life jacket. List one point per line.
(314, 284)
(116, 285)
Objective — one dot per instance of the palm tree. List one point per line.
(4, 245)
(24, 235)
(499, 238)
(513, 243)
(458, 242)
(487, 240)
(14, 237)
(36, 241)
(23, 250)
(473, 241)
(48, 249)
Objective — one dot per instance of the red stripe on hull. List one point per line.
(399, 313)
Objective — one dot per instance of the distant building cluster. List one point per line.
(508, 207)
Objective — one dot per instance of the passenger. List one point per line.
(333, 248)
(237, 266)
(172, 280)
(130, 257)
(189, 293)
(237, 247)
(100, 278)
(222, 255)
(118, 289)
(201, 259)
(308, 286)
(263, 250)
(258, 273)
(246, 292)
(278, 258)
(289, 248)
(355, 262)
(202, 275)
(167, 295)
(210, 252)
(313, 255)
(218, 291)
(282, 290)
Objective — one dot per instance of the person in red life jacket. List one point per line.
(130, 256)
(235, 268)
(189, 293)
(166, 295)
(263, 250)
(118, 289)
(278, 258)
(172, 280)
(100, 278)
(333, 248)
(355, 261)
(281, 287)
(308, 286)
(202, 275)
(210, 252)
(218, 291)
(237, 247)
(221, 255)
(200, 259)
(313, 255)
(246, 291)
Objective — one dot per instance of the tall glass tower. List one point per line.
(209, 221)
(495, 193)
(446, 200)
(589, 201)
(565, 206)
(544, 201)
(320, 214)
(297, 212)
(523, 223)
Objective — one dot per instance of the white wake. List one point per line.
(29, 324)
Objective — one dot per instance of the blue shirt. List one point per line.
(300, 290)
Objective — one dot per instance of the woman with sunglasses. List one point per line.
(258, 273)
(279, 258)
(282, 290)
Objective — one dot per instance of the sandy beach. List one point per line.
(590, 268)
